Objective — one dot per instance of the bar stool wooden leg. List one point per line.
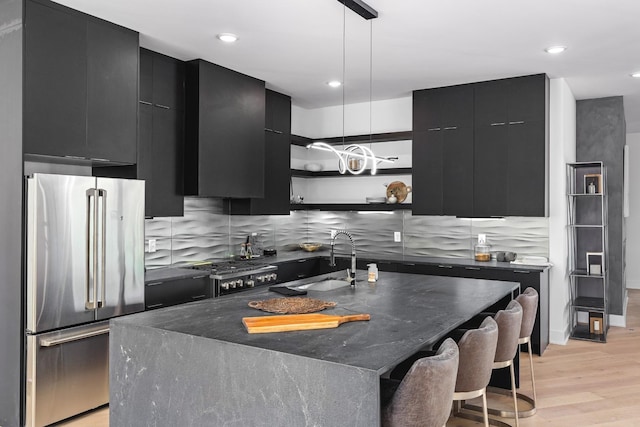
(533, 380)
(485, 413)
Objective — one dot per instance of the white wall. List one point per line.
(562, 150)
(633, 220)
(393, 115)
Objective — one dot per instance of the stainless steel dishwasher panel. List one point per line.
(67, 373)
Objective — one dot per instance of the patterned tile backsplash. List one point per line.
(206, 233)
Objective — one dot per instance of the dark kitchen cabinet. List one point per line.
(176, 291)
(301, 268)
(112, 92)
(160, 136)
(480, 149)
(225, 121)
(510, 147)
(277, 135)
(443, 151)
(81, 85)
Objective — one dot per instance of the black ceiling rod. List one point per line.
(361, 8)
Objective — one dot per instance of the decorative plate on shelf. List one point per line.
(291, 305)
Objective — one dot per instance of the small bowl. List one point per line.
(313, 167)
(310, 247)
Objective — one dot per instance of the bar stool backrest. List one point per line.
(529, 302)
(509, 322)
(477, 350)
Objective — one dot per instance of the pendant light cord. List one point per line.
(344, 60)
(370, 82)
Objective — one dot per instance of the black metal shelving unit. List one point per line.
(588, 244)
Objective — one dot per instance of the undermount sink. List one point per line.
(324, 285)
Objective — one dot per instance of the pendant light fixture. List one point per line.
(356, 158)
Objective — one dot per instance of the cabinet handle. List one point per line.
(166, 107)
(472, 268)
(445, 266)
(451, 128)
(498, 124)
(433, 129)
(76, 157)
(279, 132)
(200, 277)
(519, 122)
(268, 130)
(145, 102)
(521, 271)
(301, 276)
(155, 305)
(411, 264)
(154, 284)
(97, 159)
(302, 260)
(198, 296)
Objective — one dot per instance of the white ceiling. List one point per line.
(296, 46)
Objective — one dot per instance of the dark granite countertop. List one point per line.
(408, 311)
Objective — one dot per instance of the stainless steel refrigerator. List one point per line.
(85, 264)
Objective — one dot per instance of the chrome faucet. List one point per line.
(351, 274)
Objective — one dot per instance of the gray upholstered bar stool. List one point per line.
(529, 302)
(477, 350)
(509, 323)
(423, 397)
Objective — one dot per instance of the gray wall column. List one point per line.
(601, 136)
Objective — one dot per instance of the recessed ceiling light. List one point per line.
(555, 49)
(334, 83)
(227, 37)
(636, 75)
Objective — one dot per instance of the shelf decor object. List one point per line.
(354, 158)
(588, 250)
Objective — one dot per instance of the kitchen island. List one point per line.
(195, 364)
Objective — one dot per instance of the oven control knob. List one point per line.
(273, 276)
(249, 283)
(239, 283)
(224, 285)
(261, 279)
(232, 284)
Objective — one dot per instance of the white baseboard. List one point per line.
(633, 284)
(559, 337)
(617, 320)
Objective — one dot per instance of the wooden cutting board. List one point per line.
(297, 322)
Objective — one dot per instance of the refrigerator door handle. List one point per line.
(92, 246)
(51, 342)
(102, 193)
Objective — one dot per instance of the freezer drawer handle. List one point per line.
(57, 341)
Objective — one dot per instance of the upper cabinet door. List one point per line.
(55, 87)
(112, 94)
(491, 101)
(225, 132)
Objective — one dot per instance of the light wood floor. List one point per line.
(580, 384)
